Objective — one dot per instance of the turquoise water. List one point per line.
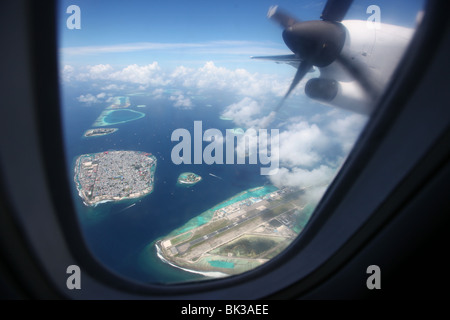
(122, 116)
(255, 193)
(221, 264)
(303, 218)
(208, 214)
(123, 100)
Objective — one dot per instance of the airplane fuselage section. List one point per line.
(376, 51)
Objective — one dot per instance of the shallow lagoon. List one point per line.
(111, 117)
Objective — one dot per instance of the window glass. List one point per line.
(200, 135)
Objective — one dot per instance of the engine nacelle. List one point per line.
(346, 95)
(322, 89)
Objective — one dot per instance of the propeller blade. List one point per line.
(284, 19)
(335, 10)
(301, 72)
(360, 74)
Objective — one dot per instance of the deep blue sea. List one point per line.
(119, 236)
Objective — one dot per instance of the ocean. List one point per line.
(121, 234)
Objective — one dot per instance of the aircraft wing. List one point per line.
(290, 59)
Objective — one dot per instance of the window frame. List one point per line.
(50, 228)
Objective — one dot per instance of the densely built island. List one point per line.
(114, 176)
(238, 234)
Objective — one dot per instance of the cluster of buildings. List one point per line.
(114, 175)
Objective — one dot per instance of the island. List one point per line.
(99, 132)
(115, 116)
(236, 235)
(188, 179)
(114, 176)
(119, 103)
(117, 112)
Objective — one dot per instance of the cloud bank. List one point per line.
(227, 47)
(311, 150)
(208, 77)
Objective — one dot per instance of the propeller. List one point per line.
(319, 43)
(335, 10)
(281, 17)
(301, 71)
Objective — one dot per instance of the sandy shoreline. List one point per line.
(212, 274)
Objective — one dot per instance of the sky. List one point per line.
(205, 46)
(172, 31)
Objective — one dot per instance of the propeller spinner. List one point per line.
(315, 43)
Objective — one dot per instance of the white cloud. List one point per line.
(346, 130)
(302, 144)
(68, 68)
(88, 99)
(212, 47)
(240, 81)
(314, 181)
(304, 178)
(157, 93)
(244, 113)
(206, 78)
(304, 151)
(181, 101)
(100, 71)
(146, 75)
(128, 47)
(67, 73)
(113, 87)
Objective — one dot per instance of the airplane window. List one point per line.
(201, 135)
